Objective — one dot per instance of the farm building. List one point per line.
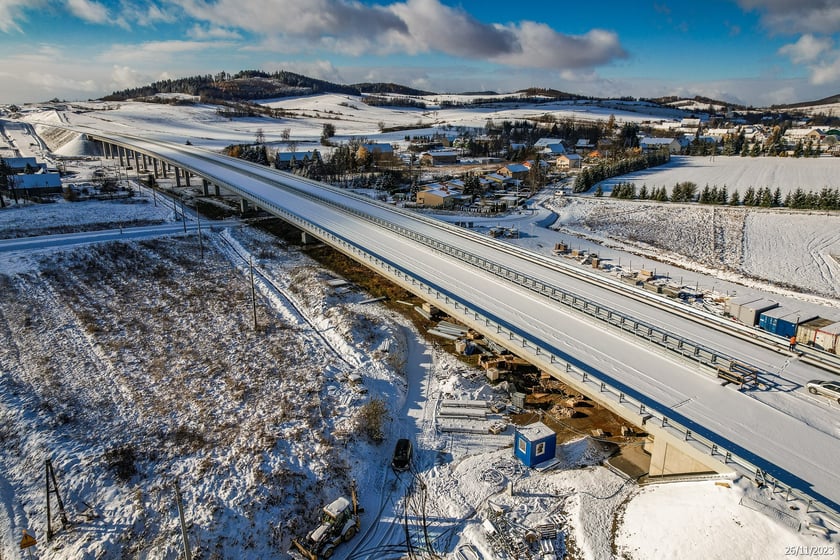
(782, 320)
(40, 183)
(534, 444)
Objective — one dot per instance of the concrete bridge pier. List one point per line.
(217, 190)
(307, 238)
(670, 456)
(205, 187)
(177, 176)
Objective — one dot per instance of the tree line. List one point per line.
(687, 191)
(589, 176)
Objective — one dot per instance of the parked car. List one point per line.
(830, 389)
(402, 455)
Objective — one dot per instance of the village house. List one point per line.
(650, 144)
(568, 161)
(550, 146)
(584, 146)
(439, 157)
(436, 195)
(514, 171)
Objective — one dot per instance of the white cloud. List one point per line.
(303, 18)
(125, 77)
(200, 33)
(826, 71)
(156, 51)
(807, 49)
(12, 11)
(88, 10)
(542, 47)
(409, 26)
(797, 16)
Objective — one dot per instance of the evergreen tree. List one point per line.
(722, 196)
(734, 199)
(749, 197)
(766, 198)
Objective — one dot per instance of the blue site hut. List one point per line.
(534, 443)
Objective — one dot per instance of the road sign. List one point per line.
(27, 540)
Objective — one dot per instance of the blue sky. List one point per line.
(755, 52)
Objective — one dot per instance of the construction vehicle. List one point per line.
(339, 523)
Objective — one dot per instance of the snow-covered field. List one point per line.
(740, 173)
(134, 363)
(784, 250)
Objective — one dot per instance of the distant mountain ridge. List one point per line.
(256, 84)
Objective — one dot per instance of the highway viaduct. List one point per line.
(680, 445)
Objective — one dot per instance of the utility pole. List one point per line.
(200, 241)
(187, 551)
(52, 487)
(253, 291)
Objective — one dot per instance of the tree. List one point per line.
(5, 180)
(285, 134)
(599, 192)
(628, 136)
(259, 137)
(327, 132)
(734, 199)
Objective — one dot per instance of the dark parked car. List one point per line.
(402, 455)
(830, 389)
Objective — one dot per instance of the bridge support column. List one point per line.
(177, 176)
(307, 239)
(120, 155)
(217, 190)
(163, 166)
(205, 187)
(187, 177)
(155, 166)
(243, 205)
(670, 456)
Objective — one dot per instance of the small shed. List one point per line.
(782, 320)
(750, 312)
(828, 338)
(534, 444)
(806, 332)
